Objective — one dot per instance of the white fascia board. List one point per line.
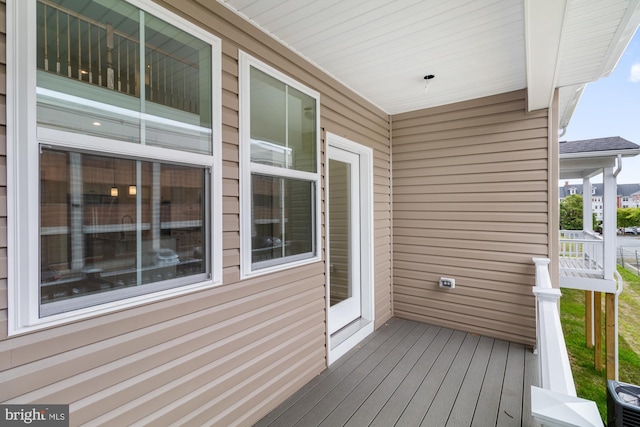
(581, 174)
(544, 24)
(570, 107)
(585, 163)
(605, 155)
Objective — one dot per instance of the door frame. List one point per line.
(342, 341)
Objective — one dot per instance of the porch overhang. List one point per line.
(544, 24)
(586, 159)
(382, 50)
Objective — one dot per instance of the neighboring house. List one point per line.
(625, 195)
(590, 148)
(206, 204)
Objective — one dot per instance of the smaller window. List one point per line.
(572, 191)
(280, 170)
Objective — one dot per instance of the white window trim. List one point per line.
(245, 63)
(23, 176)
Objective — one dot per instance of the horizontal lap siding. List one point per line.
(225, 355)
(470, 193)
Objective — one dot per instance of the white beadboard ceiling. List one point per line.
(382, 49)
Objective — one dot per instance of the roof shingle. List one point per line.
(612, 143)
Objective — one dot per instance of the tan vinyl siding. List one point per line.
(225, 355)
(471, 202)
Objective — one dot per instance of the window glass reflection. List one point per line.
(281, 218)
(109, 224)
(96, 76)
(283, 124)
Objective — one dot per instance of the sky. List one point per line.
(611, 107)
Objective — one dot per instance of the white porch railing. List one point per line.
(555, 403)
(581, 252)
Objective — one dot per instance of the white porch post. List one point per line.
(609, 242)
(609, 223)
(587, 208)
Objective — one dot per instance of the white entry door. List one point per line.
(345, 287)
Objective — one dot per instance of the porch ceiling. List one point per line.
(383, 49)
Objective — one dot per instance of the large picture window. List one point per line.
(114, 160)
(280, 169)
(109, 224)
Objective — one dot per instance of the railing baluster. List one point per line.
(164, 79)
(79, 51)
(68, 45)
(119, 74)
(137, 71)
(46, 39)
(90, 58)
(128, 70)
(57, 41)
(184, 87)
(173, 98)
(157, 64)
(99, 31)
(149, 57)
(109, 47)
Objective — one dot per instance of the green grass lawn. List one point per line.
(589, 383)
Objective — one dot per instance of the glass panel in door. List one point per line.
(344, 239)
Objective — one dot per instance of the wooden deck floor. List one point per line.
(409, 374)
(569, 267)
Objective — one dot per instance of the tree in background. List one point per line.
(571, 213)
(628, 217)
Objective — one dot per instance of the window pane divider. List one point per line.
(83, 142)
(283, 172)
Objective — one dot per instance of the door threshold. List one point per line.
(348, 337)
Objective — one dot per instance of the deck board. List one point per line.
(408, 374)
(467, 399)
(510, 410)
(305, 398)
(344, 388)
(531, 376)
(415, 411)
(396, 404)
(347, 407)
(366, 413)
(488, 401)
(575, 267)
(442, 404)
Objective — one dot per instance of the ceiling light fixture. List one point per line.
(133, 188)
(114, 189)
(427, 82)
